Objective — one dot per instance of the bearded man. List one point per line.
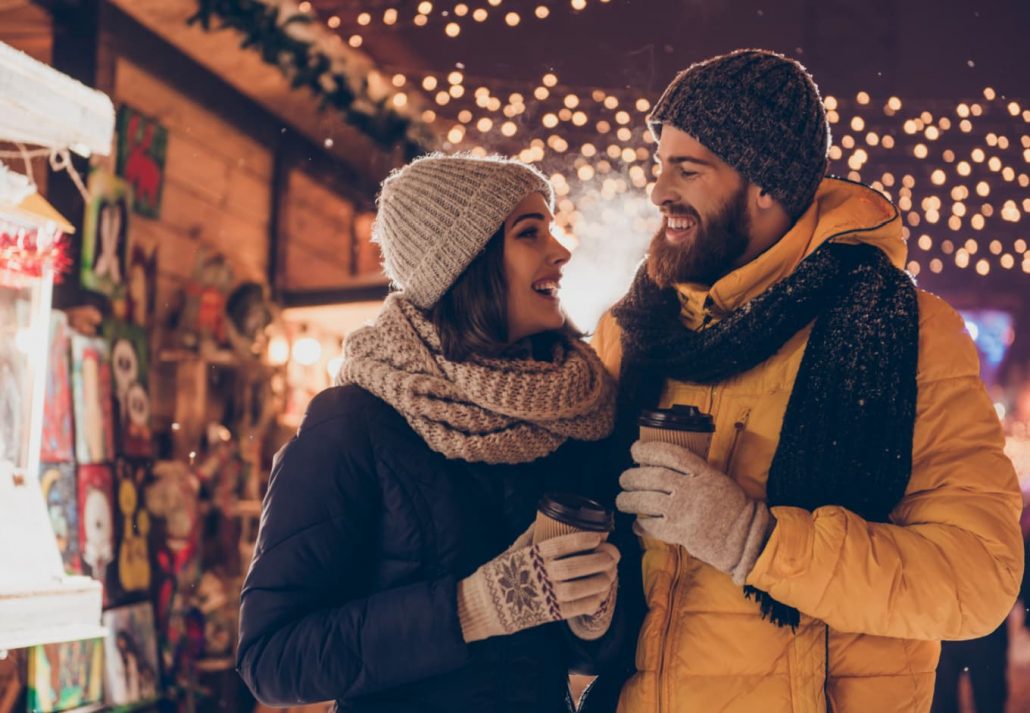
(855, 507)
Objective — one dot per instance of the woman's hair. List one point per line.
(472, 316)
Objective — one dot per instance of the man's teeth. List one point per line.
(546, 287)
(680, 223)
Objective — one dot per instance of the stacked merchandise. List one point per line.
(159, 528)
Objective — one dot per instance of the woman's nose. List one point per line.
(557, 253)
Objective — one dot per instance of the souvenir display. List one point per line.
(58, 444)
(105, 234)
(172, 502)
(130, 574)
(142, 144)
(202, 323)
(96, 519)
(249, 314)
(91, 394)
(128, 344)
(58, 483)
(65, 676)
(130, 654)
(141, 283)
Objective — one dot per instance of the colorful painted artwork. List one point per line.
(128, 344)
(65, 676)
(131, 675)
(142, 145)
(96, 519)
(105, 235)
(141, 283)
(172, 501)
(58, 442)
(91, 398)
(203, 321)
(60, 493)
(130, 575)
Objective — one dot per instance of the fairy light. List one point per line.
(333, 22)
(453, 29)
(512, 19)
(364, 18)
(542, 12)
(355, 41)
(922, 147)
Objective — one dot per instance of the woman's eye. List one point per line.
(529, 233)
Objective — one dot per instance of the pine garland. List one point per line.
(308, 66)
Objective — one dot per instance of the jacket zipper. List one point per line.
(664, 643)
(738, 428)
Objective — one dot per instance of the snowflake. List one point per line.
(517, 583)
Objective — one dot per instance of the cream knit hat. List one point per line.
(438, 212)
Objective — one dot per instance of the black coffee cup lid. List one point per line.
(578, 511)
(678, 418)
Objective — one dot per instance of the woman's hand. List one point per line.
(559, 579)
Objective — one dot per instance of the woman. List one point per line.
(389, 572)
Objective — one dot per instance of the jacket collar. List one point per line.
(842, 211)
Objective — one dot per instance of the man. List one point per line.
(855, 507)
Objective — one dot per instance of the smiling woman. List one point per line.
(392, 522)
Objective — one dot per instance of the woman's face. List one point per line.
(533, 261)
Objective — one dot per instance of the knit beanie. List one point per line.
(438, 212)
(758, 111)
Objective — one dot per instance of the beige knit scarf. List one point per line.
(490, 410)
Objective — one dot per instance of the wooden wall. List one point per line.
(217, 191)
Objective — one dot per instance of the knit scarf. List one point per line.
(491, 410)
(846, 437)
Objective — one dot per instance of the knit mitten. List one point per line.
(554, 580)
(679, 498)
(593, 626)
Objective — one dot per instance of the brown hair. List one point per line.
(472, 316)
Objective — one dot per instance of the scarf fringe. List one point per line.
(773, 611)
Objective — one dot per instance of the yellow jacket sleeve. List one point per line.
(949, 563)
(607, 342)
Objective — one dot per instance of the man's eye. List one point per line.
(687, 174)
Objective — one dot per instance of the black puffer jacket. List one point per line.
(351, 594)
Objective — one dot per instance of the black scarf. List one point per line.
(846, 437)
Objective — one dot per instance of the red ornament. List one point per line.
(28, 251)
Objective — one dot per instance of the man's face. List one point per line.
(705, 230)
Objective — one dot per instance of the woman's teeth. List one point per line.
(546, 287)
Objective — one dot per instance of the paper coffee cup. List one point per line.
(685, 426)
(565, 513)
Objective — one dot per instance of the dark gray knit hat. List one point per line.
(758, 111)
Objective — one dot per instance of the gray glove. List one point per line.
(680, 499)
(554, 580)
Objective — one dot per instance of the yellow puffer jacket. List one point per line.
(875, 598)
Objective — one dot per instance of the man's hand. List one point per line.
(680, 499)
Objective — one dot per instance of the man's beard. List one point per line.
(710, 253)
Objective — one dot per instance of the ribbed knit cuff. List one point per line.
(757, 538)
(593, 626)
(477, 617)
